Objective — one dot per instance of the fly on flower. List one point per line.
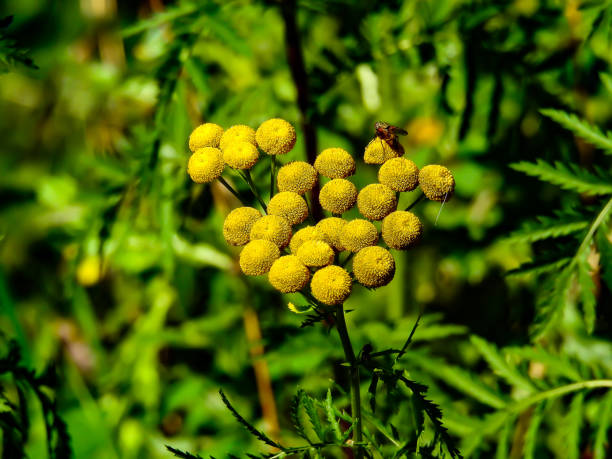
(389, 133)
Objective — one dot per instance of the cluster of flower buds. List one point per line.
(285, 242)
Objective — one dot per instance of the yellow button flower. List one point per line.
(89, 271)
(401, 230)
(296, 176)
(240, 155)
(205, 165)
(308, 233)
(257, 257)
(376, 201)
(205, 135)
(238, 133)
(238, 223)
(378, 151)
(331, 285)
(335, 163)
(316, 254)
(272, 228)
(358, 234)
(399, 174)
(289, 205)
(437, 182)
(288, 274)
(275, 136)
(337, 196)
(332, 229)
(373, 266)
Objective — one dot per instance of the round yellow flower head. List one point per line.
(272, 228)
(308, 233)
(425, 131)
(296, 176)
(332, 229)
(275, 136)
(373, 266)
(238, 223)
(399, 174)
(205, 135)
(376, 201)
(89, 271)
(238, 133)
(240, 155)
(337, 196)
(358, 234)
(205, 165)
(335, 163)
(288, 274)
(257, 257)
(331, 285)
(378, 151)
(316, 254)
(437, 182)
(289, 205)
(401, 229)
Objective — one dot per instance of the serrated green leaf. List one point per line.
(552, 301)
(503, 440)
(569, 177)
(571, 427)
(331, 417)
(546, 228)
(313, 415)
(459, 379)
(500, 366)
(531, 435)
(539, 267)
(555, 364)
(586, 290)
(604, 419)
(581, 128)
(296, 419)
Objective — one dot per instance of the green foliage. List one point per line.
(11, 53)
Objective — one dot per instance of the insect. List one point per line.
(389, 133)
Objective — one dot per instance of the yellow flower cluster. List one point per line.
(316, 259)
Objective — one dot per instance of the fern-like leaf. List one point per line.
(570, 177)
(555, 364)
(182, 454)
(313, 415)
(531, 435)
(539, 267)
(503, 441)
(331, 417)
(571, 427)
(553, 299)
(546, 228)
(500, 366)
(586, 288)
(581, 128)
(296, 403)
(259, 435)
(604, 419)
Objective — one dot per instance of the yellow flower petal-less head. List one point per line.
(275, 136)
(272, 228)
(401, 230)
(308, 233)
(399, 174)
(238, 223)
(316, 254)
(378, 151)
(437, 182)
(358, 234)
(238, 133)
(337, 196)
(290, 206)
(376, 201)
(288, 274)
(373, 266)
(205, 165)
(332, 228)
(205, 135)
(331, 285)
(240, 155)
(335, 163)
(257, 257)
(296, 176)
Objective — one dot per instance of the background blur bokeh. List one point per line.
(113, 267)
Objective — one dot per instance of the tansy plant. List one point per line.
(323, 260)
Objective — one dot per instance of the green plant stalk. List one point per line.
(415, 202)
(231, 190)
(354, 379)
(272, 175)
(246, 175)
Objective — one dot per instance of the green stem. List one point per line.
(354, 377)
(231, 190)
(596, 223)
(347, 259)
(246, 175)
(415, 202)
(272, 175)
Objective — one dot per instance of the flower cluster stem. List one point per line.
(247, 178)
(272, 175)
(232, 190)
(416, 201)
(354, 379)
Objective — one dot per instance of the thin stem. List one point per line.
(246, 175)
(231, 190)
(272, 175)
(416, 201)
(354, 377)
(347, 259)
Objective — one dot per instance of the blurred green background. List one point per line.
(113, 266)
